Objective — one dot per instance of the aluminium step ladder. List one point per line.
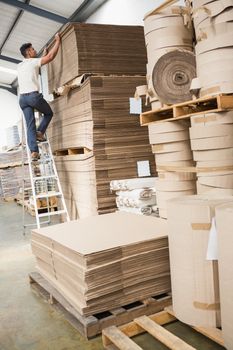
(45, 183)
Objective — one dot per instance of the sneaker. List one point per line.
(40, 137)
(35, 156)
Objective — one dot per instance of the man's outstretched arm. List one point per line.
(52, 53)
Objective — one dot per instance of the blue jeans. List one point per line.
(28, 103)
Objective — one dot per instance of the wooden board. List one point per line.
(187, 109)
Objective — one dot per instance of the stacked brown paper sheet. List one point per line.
(195, 284)
(12, 158)
(214, 49)
(104, 262)
(211, 137)
(169, 33)
(224, 222)
(95, 118)
(11, 173)
(99, 49)
(171, 146)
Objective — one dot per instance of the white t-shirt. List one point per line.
(28, 75)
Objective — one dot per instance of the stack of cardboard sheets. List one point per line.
(104, 262)
(11, 180)
(12, 158)
(11, 172)
(98, 49)
(171, 146)
(211, 137)
(103, 142)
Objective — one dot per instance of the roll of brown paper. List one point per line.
(172, 76)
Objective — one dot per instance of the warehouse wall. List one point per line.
(123, 11)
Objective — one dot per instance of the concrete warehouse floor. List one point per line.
(29, 323)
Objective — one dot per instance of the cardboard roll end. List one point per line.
(172, 76)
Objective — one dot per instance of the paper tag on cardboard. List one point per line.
(143, 167)
(212, 250)
(135, 105)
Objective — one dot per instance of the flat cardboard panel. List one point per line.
(224, 222)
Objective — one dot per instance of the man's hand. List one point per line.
(52, 53)
(58, 37)
(45, 52)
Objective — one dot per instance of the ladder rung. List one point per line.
(42, 160)
(42, 142)
(51, 213)
(47, 195)
(44, 177)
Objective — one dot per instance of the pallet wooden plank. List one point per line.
(186, 109)
(118, 338)
(87, 326)
(225, 101)
(90, 326)
(214, 334)
(167, 338)
(131, 329)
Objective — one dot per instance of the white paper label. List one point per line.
(212, 250)
(135, 105)
(143, 168)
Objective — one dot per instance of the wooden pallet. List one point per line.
(119, 338)
(90, 326)
(71, 151)
(184, 110)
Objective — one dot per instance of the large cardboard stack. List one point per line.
(171, 63)
(214, 49)
(211, 137)
(12, 173)
(95, 119)
(195, 284)
(98, 49)
(104, 262)
(171, 146)
(95, 138)
(224, 221)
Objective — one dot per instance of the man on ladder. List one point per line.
(30, 98)
(43, 173)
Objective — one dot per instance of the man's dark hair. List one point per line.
(24, 48)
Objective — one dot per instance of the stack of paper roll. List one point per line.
(169, 38)
(195, 280)
(139, 199)
(171, 146)
(213, 23)
(211, 137)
